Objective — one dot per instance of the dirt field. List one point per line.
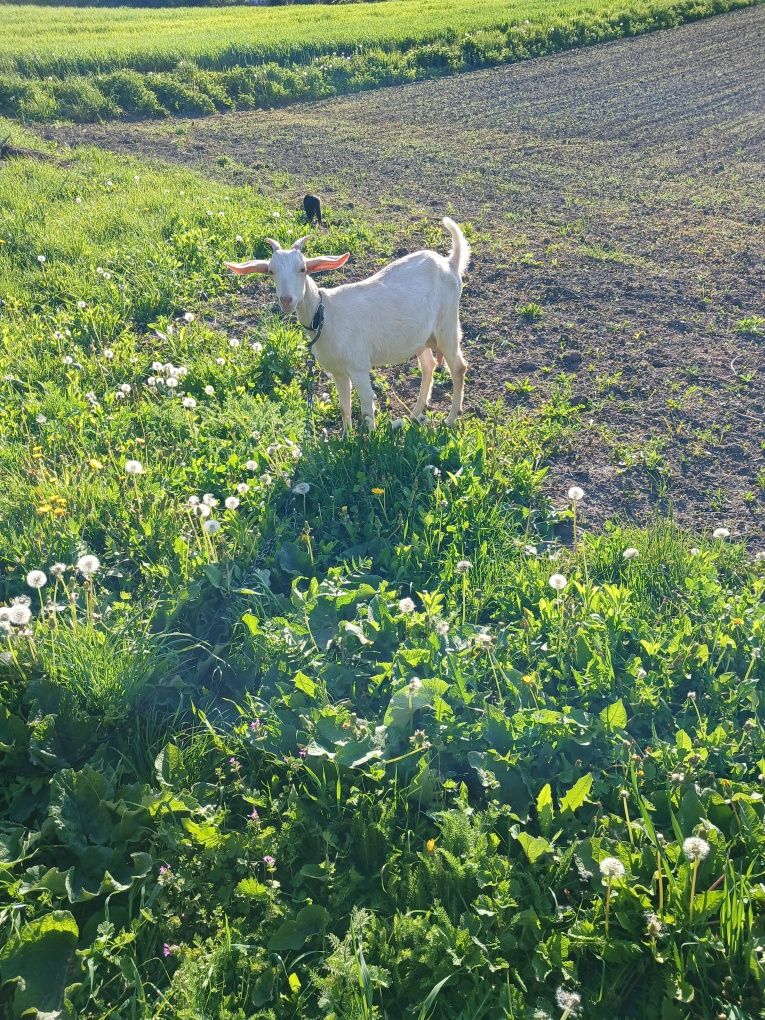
(620, 189)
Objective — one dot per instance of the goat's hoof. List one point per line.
(397, 424)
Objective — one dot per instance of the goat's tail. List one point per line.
(459, 256)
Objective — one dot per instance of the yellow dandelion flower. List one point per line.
(378, 492)
(96, 464)
(59, 511)
(44, 509)
(430, 846)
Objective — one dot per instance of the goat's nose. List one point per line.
(286, 303)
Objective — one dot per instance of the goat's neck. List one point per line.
(307, 307)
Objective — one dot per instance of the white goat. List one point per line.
(411, 307)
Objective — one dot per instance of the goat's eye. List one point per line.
(303, 270)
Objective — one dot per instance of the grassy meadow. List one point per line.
(349, 730)
(89, 64)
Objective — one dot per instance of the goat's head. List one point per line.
(289, 268)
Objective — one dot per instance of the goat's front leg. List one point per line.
(343, 384)
(363, 384)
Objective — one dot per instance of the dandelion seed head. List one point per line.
(256, 346)
(212, 527)
(242, 488)
(209, 500)
(41, 259)
(188, 316)
(171, 383)
(133, 467)
(210, 391)
(37, 579)
(88, 565)
(463, 566)
(558, 582)
(265, 479)
(58, 569)
(231, 502)
(721, 533)
(567, 1000)
(611, 867)
(575, 494)
(630, 554)
(189, 403)
(406, 605)
(695, 848)
(20, 615)
(301, 488)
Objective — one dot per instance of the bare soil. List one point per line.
(621, 189)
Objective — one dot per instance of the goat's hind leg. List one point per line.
(427, 362)
(457, 369)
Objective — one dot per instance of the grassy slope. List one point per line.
(241, 776)
(84, 63)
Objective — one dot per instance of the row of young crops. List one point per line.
(89, 64)
(342, 731)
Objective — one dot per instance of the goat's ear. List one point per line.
(245, 268)
(298, 245)
(322, 262)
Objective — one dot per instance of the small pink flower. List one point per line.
(168, 950)
(303, 752)
(269, 861)
(165, 869)
(255, 724)
(254, 816)
(233, 762)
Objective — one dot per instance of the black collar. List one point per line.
(317, 322)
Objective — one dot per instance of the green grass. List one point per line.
(312, 764)
(89, 64)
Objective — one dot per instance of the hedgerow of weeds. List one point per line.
(264, 58)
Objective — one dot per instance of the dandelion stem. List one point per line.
(660, 880)
(628, 821)
(608, 904)
(695, 871)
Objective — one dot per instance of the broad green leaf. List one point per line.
(534, 846)
(545, 809)
(293, 934)
(577, 795)
(167, 764)
(252, 889)
(206, 834)
(77, 809)
(683, 741)
(305, 684)
(40, 954)
(614, 717)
